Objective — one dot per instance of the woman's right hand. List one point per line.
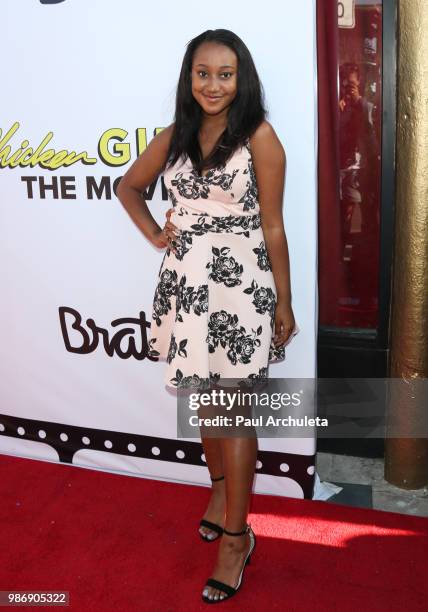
(169, 233)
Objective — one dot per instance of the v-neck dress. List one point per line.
(214, 304)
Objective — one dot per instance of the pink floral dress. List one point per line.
(214, 303)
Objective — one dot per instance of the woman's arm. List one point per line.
(269, 162)
(138, 177)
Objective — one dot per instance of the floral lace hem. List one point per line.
(197, 382)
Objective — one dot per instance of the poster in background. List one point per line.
(86, 86)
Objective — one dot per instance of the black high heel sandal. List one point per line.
(213, 526)
(222, 586)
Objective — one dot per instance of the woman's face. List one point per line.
(214, 77)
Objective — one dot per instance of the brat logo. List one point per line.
(126, 339)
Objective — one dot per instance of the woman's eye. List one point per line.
(203, 73)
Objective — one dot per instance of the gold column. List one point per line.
(406, 459)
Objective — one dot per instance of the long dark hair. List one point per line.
(245, 114)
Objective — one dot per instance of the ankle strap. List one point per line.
(236, 533)
(216, 479)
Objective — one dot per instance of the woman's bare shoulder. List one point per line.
(265, 143)
(149, 163)
(264, 134)
(163, 138)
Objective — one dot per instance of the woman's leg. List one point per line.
(210, 438)
(239, 461)
(216, 506)
(239, 456)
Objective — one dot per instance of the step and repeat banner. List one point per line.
(85, 87)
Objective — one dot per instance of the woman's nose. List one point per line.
(212, 84)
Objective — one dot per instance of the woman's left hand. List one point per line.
(171, 231)
(284, 323)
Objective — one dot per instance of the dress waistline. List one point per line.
(203, 223)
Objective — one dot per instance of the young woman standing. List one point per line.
(222, 306)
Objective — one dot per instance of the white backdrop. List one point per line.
(91, 79)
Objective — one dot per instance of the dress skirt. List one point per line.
(214, 305)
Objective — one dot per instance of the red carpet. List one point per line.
(123, 543)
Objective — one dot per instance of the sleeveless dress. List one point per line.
(214, 304)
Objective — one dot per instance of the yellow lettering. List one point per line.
(121, 152)
(141, 140)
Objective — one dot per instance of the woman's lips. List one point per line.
(213, 98)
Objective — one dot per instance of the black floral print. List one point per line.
(217, 176)
(223, 329)
(261, 375)
(192, 187)
(167, 286)
(194, 381)
(152, 352)
(183, 244)
(263, 260)
(189, 298)
(174, 348)
(250, 197)
(264, 299)
(276, 352)
(225, 269)
(243, 345)
(241, 225)
(197, 382)
(228, 224)
(197, 186)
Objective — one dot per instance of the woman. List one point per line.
(222, 307)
